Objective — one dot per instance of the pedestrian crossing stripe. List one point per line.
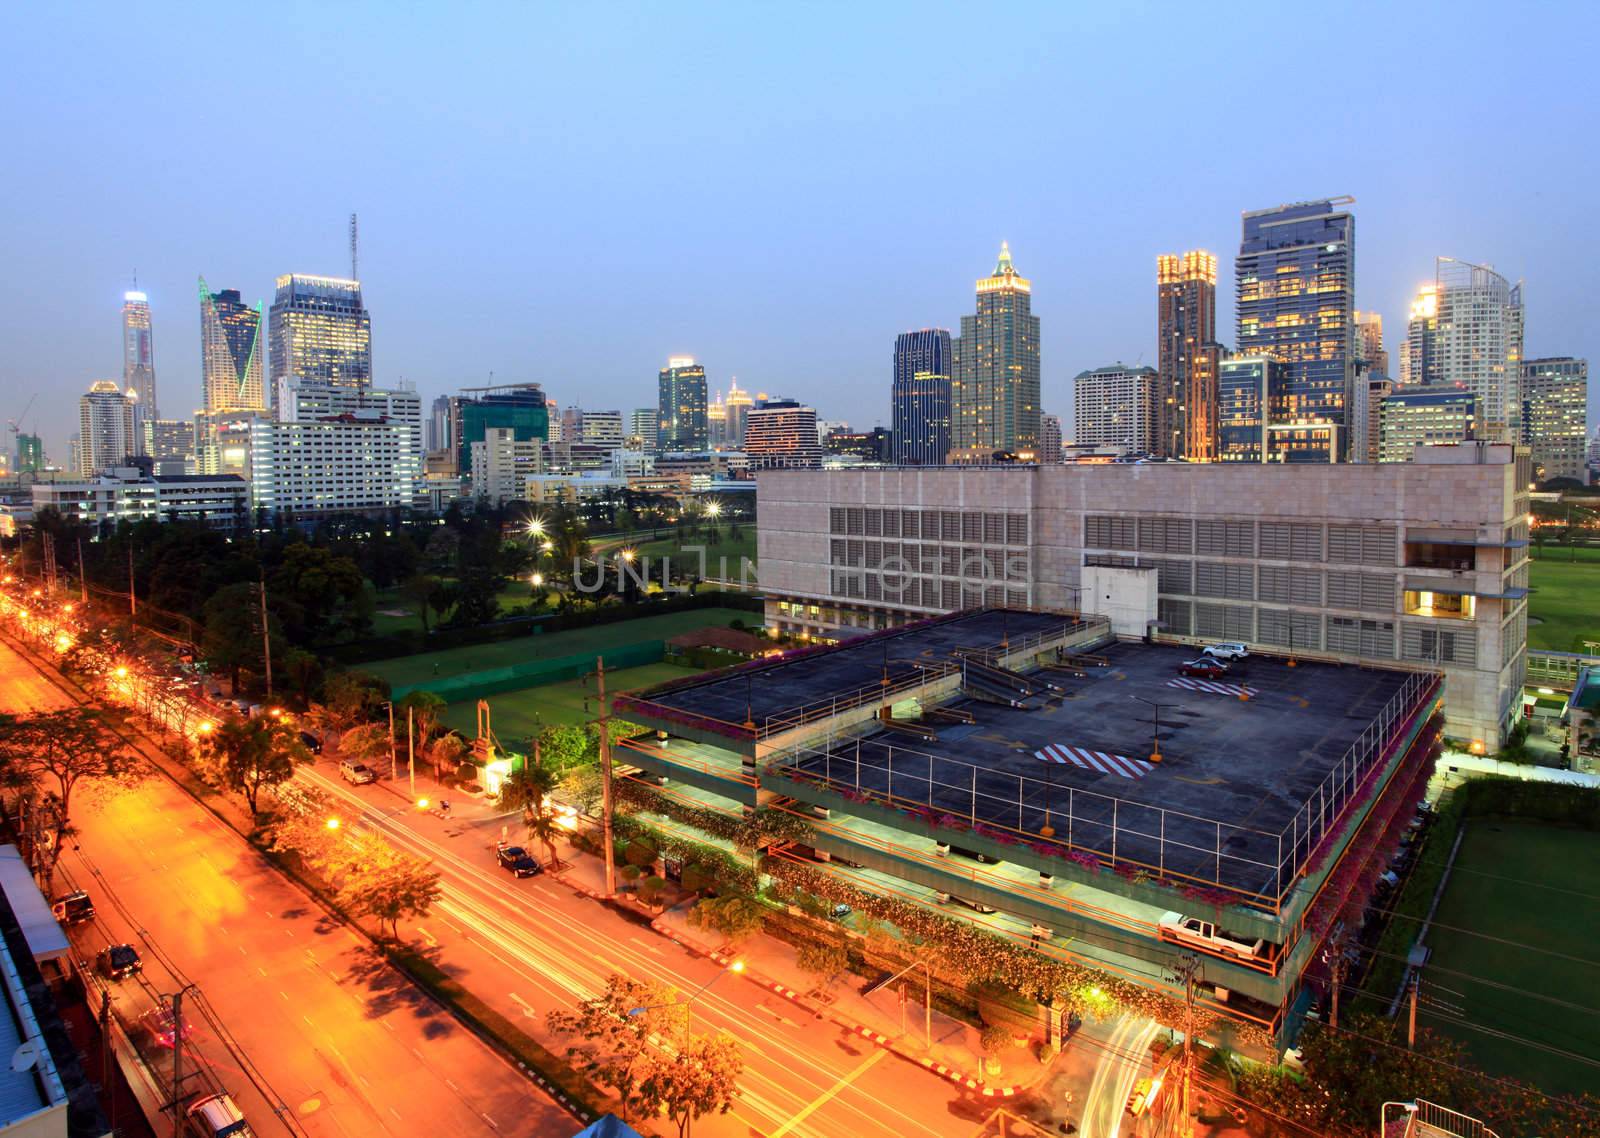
(1211, 686)
(1097, 761)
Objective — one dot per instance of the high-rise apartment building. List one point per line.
(920, 397)
(1186, 321)
(1480, 343)
(105, 427)
(554, 419)
(601, 428)
(717, 424)
(1555, 416)
(320, 332)
(1372, 357)
(644, 423)
(1049, 438)
(232, 353)
(1419, 352)
(738, 406)
(1295, 280)
(681, 403)
(337, 449)
(30, 454)
(995, 388)
(501, 464)
(521, 407)
(139, 353)
(1115, 406)
(1425, 416)
(782, 433)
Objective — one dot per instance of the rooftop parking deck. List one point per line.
(1244, 794)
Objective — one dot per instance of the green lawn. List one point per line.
(1566, 603)
(1527, 884)
(732, 549)
(521, 713)
(405, 670)
(1569, 553)
(513, 598)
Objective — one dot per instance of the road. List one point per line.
(1126, 1041)
(527, 946)
(340, 1040)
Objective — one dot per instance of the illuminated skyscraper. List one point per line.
(920, 398)
(139, 353)
(1419, 352)
(1555, 397)
(1480, 343)
(231, 352)
(737, 407)
(717, 424)
(681, 405)
(319, 331)
(782, 433)
(995, 390)
(1370, 351)
(1186, 391)
(1295, 278)
(105, 428)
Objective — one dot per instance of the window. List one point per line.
(1425, 602)
(1438, 646)
(1101, 531)
(1223, 622)
(1016, 529)
(1225, 539)
(1175, 616)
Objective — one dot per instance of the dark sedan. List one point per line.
(119, 961)
(517, 861)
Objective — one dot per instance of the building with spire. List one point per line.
(139, 353)
(920, 398)
(319, 332)
(1186, 387)
(995, 385)
(717, 424)
(681, 405)
(1419, 351)
(233, 367)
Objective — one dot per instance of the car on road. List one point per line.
(73, 908)
(160, 1028)
(1207, 934)
(119, 961)
(310, 742)
(357, 774)
(1204, 668)
(217, 1116)
(517, 861)
(1228, 650)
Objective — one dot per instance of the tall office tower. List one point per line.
(553, 413)
(1115, 406)
(920, 397)
(1373, 356)
(1247, 387)
(319, 332)
(1296, 278)
(1555, 398)
(1425, 416)
(717, 424)
(105, 428)
(782, 433)
(438, 424)
(644, 423)
(994, 394)
(1186, 318)
(1050, 438)
(521, 407)
(139, 352)
(1366, 433)
(1419, 352)
(30, 454)
(738, 406)
(681, 403)
(231, 352)
(1480, 343)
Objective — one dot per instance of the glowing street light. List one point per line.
(713, 509)
(536, 527)
(422, 804)
(332, 823)
(538, 580)
(628, 555)
(122, 672)
(204, 727)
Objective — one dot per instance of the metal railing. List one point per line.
(1558, 669)
(928, 672)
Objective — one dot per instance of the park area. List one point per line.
(1564, 606)
(1514, 973)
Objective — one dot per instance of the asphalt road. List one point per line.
(530, 945)
(340, 1042)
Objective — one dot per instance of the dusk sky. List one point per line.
(569, 194)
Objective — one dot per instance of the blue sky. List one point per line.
(572, 193)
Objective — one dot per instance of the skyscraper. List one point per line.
(1115, 406)
(1186, 318)
(920, 397)
(1295, 279)
(737, 406)
(139, 353)
(231, 352)
(105, 428)
(520, 407)
(995, 390)
(717, 424)
(1555, 397)
(1369, 343)
(782, 433)
(1480, 343)
(319, 332)
(1419, 352)
(1050, 439)
(681, 405)
(644, 423)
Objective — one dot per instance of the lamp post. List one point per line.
(927, 998)
(687, 1005)
(1155, 736)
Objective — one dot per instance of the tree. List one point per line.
(700, 1078)
(446, 753)
(365, 744)
(250, 754)
(53, 751)
(824, 961)
(563, 746)
(232, 638)
(995, 1039)
(529, 790)
(321, 596)
(303, 670)
(391, 887)
(610, 1032)
(422, 591)
(355, 697)
(425, 708)
(734, 917)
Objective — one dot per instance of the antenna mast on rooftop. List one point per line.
(355, 273)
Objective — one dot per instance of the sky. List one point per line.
(572, 193)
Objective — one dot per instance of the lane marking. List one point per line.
(828, 1095)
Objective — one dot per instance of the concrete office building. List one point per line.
(1436, 416)
(782, 433)
(1555, 416)
(106, 435)
(170, 445)
(681, 406)
(994, 394)
(501, 464)
(1366, 442)
(519, 407)
(1405, 563)
(125, 494)
(1115, 406)
(337, 449)
(1186, 324)
(1371, 356)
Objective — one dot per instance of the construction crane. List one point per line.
(16, 424)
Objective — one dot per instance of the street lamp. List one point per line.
(1155, 737)
(686, 1005)
(332, 823)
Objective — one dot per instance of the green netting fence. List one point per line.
(533, 673)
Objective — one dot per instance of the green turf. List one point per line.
(406, 670)
(1566, 602)
(1567, 553)
(1527, 884)
(521, 713)
(734, 550)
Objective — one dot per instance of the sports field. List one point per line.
(406, 670)
(1514, 952)
(518, 714)
(1564, 606)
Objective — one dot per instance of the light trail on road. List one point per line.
(1124, 1059)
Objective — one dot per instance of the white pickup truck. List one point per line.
(1206, 934)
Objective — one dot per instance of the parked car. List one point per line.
(517, 861)
(119, 961)
(975, 906)
(839, 912)
(357, 774)
(158, 1024)
(310, 742)
(1207, 934)
(1204, 668)
(73, 908)
(217, 1116)
(1228, 650)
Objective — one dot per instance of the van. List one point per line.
(73, 908)
(216, 1116)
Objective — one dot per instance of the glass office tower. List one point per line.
(920, 398)
(995, 390)
(319, 331)
(681, 405)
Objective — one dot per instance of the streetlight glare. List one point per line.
(333, 823)
(736, 966)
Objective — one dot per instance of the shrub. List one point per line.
(651, 888)
(641, 853)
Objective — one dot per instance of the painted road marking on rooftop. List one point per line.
(1097, 761)
(1210, 686)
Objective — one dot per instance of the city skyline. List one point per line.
(820, 326)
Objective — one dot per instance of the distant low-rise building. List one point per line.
(501, 464)
(126, 494)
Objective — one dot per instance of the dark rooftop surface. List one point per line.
(1234, 774)
(813, 678)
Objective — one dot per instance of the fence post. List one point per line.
(1161, 851)
(1218, 851)
(1114, 803)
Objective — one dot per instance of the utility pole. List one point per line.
(83, 576)
(1188, 969)
(266, 641)
(393, 761)
(177, 1060)
(1411, 1016)
(1337, 968)
(133, 605)
(607, 800)
(411, 749)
